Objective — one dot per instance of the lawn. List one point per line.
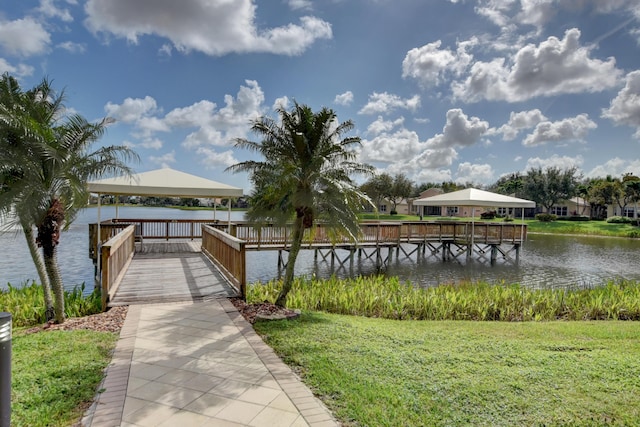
(55, 374)
(378, 372)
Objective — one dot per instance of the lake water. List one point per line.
(545, 260)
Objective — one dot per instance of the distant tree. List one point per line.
(632, 188)
(549, 186)
(401, 188)
(510, 185)
(304, 176)
(602, 193)
(376, 187)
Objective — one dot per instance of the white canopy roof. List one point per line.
(164, 182)
(474, 197)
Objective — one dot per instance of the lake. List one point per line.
(545, 260)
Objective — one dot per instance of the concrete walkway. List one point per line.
(199, 364)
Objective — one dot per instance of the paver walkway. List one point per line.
(199, 364)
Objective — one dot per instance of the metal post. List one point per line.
(5, 369)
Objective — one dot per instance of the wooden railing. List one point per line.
(228, 253)
(116, 255)
(147, 229)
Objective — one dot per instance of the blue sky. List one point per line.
(439, 90)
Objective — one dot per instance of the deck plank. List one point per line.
(170, 272)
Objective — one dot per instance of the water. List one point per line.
(545, 260)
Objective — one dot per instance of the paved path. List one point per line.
(199, 364)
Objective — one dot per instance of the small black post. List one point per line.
(5, 369)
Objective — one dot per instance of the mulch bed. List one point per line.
(263, 311)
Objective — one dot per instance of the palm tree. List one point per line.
(305, 176)
(50, 189)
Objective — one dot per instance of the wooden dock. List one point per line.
(168, 272)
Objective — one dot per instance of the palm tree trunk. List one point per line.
(51, 264)
(298, 234)
(42, 272)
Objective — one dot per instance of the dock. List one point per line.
(154, 261)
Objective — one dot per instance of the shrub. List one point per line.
(578, 218)
(507, 219)
(545, 217)
(394, 212)
(488, 215)
(619, 220)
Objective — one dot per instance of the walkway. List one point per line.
(199, 364)
(174, 271)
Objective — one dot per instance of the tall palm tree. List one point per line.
(56, 149)
(305, 176)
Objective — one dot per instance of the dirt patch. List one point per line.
(109, 321)
(263, 311)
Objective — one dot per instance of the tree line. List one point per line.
(546, 186)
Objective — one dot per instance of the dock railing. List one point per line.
(228, 254)
(116, 254)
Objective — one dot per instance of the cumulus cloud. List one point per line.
(49, 9)
(561, 162)
(429, 64)
(345, 98)
(398, 145)
(459, 131)
(132, 109)
(570, 129)
(614, 167)
(24, 37)
(475, 173)
(20, 70)
(384, 103)
(213, 159)
(554, 67)
(165, 160)
(214, 27)
(625, 107)
(518, 122)
(300, 4)
(380, 125)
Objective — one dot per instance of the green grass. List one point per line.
(593, 228)
(55, 375)
(378, 372)
(26, 303)
(379, 296)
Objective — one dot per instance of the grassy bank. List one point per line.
(26, 303)
(389, 298)
(589, 228)
(55, 374)
(379, 372)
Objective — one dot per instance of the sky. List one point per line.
(438, 90)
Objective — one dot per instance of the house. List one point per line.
(454, 211)
(573, 206)
(402, 208)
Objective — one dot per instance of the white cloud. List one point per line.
(519, 121)
(20, 70)
(429, 64)
(477, 174)
(48, 8)
(615, 167)
(391, 147)
(214, 27)
(625, 107)
(213, 159)
(345, 98)
(570, 129)
(282, 102)
(562, 162)
(153, 143)
(384, 103)
(459, 131)
(380, 125)
(552, 68)
(72, 47)
(24, 37)
(132, 109)
(300, 4)
(165, 160)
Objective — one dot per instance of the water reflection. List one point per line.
(545, 260)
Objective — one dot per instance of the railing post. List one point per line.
(5, 369)
(104, 275)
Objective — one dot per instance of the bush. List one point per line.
(394, 212)
(507, 219)
(578, 218)
(619, 220)
(545, 217)
(488, 215)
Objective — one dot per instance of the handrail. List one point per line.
(228, 253)
(116, 254)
